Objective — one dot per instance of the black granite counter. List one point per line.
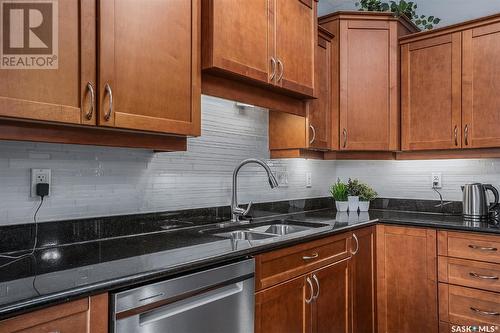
(81, 258)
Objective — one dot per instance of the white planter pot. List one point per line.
(353, 203)
(341, 206)
(364, 206)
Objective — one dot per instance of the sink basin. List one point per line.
(281, 229)
(244, 235)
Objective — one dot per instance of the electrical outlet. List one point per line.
(40, 176)
(308, 179)
(282, 177)
(436, 180)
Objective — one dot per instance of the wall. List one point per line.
(412, 179)
(450, 11)
(93, 181)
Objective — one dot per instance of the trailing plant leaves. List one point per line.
(400, 8)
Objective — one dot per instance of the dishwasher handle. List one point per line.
(181, 306)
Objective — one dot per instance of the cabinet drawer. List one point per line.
(465, 306)
(73, 324)
(469, 246)
(469, 273)
(281, 265)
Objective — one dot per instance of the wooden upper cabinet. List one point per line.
(481, 86)
(366, 79)
(406, 279)
(257, 41)
(235, 38)
(149, 66)
(294, 30)
(431, 93)
(57, 94)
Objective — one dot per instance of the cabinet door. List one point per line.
(368, 86)
(481, 84)
(431, 93)
(406, 280)
(295, 41)
(363, 281)
(59, 93)
(320, 109)
(235, 38)
(283, 308)
(149, 65)
(331, 307)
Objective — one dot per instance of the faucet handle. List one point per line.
(245, 213)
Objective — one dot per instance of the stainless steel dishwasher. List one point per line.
(217, 300)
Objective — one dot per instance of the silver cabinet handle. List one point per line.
(317, 283)
(482, 248)
(456, 135)
(91, 90)
(487, 313)
(273, 69)
(466, 135)
(312, 290)
(314, 134)
(281, 68)
(109, 91)
(357, 244)
(344, 132)
(484, 277)
(311, 257)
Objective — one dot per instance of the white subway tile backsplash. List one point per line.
(94, 181)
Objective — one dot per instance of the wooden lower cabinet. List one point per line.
(330, 303)
(88, 315)
(362, 275)
(283, 308)
(406, 280)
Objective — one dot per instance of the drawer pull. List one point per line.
(485, 277)
(486, 313)
(482, 248)
(311, 257)
(312, 290)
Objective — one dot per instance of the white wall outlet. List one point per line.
(282, 178)
(308, 179)
(40, 176)
(436, 180)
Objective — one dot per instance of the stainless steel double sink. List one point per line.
(267, 230)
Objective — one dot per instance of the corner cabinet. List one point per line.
(257, 41)
(449, 87)
(141, 83)
(407, 300)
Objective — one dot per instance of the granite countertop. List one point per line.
(58, 271)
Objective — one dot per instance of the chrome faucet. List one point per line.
(236, 211)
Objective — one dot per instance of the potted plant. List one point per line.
(354, 188)
(366, 195)
(339, 194)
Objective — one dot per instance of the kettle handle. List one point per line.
(495, 193)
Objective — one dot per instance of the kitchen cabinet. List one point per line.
(283, 308)
(84, 315)
(449, 86)
(258, 41)
(363, 284)
(468, 271)
(314, 132)
(431, 93)
(157, 90)
(65, 94)
(365, 89)
(116, 86)
(406, 279)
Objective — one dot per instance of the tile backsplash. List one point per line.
(95, 181)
